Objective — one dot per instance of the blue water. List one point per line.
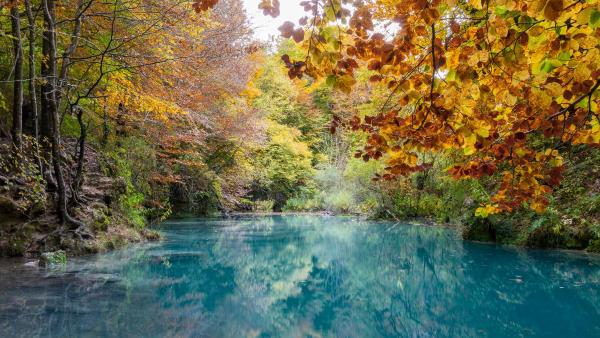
(305, 276)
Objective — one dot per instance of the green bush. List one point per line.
(131, 204)
(302, 204)
(131, 197)
(339, 201)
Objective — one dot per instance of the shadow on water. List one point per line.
(300, 276)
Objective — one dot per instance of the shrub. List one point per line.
(339, 201)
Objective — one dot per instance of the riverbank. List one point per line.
(30, 226)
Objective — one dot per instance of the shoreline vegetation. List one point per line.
(115, 116)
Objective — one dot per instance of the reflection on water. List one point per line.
(305, 276)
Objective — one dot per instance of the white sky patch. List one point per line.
(265, 27)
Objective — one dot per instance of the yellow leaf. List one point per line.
(469, 142)
(476, 4)
(554, 89)
(581, 72)
(487, 210)
(483, 131)
(522, 75)
(536, 31)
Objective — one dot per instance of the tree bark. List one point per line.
(78, 181)
(45, 123)
(17, 125)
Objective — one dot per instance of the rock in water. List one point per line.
(53, 258)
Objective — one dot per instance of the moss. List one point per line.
(101, 221)
(56, 258)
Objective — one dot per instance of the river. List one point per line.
(305, 276)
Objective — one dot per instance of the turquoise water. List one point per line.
(305, 276)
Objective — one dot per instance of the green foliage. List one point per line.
(131, 204)
(290, 103)
(302, 203)
(137, 161)
(70, 126)
(131, 163)
(431, 195)
(283, 166)
(100, 218)
(347, 190)
(206, 201)
(305, 199)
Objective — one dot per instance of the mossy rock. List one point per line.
(56, 258)
(101, 220)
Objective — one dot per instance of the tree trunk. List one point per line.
(105, 127)
(78, 181)
(32, 85)
(17, 125)
(46, 87)
(51, 98)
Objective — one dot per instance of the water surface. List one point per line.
(305, 276)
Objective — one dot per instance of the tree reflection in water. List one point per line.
(298, 276)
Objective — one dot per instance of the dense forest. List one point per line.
(118, 114)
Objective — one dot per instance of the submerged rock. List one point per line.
(53, 258)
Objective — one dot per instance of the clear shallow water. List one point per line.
(305, 276)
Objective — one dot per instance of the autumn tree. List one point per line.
(483, 77)
(152, 68)
(180, 92)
